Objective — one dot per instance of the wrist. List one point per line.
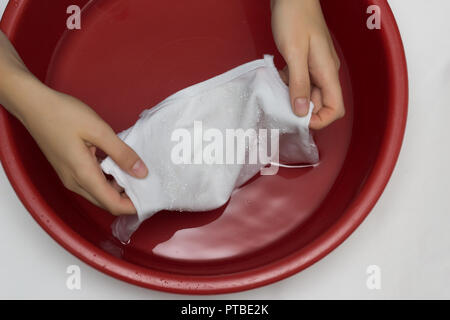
(21, 93)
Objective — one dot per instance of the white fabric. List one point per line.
(251, 96)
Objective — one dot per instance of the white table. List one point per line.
(406, 235)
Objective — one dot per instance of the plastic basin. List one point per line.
(128, 56)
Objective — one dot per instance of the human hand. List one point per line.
(312, 69)
(68, 133)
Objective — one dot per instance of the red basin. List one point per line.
(128, 56)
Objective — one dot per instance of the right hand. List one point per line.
(68, 133)
(312, 72)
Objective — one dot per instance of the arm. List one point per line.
(312, 70)
(68, 133)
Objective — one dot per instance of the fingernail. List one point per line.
(139, 169)
(301, 107)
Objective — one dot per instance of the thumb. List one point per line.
(299, 86)
(122, 154)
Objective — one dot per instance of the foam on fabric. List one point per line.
(250, 96)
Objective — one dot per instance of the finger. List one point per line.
(107, 196)
(122, 154)
(299, 81)
(92, 150)
(327, 80)
(332, 107)
(92, 180)
(335, 55)
(316, 98)
(116, 186)
(336, 59)
(284, 75)
(79, 190)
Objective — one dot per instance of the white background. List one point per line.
(407, 233)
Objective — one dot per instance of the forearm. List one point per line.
(19, 89)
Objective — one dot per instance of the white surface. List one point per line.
(406, 234)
